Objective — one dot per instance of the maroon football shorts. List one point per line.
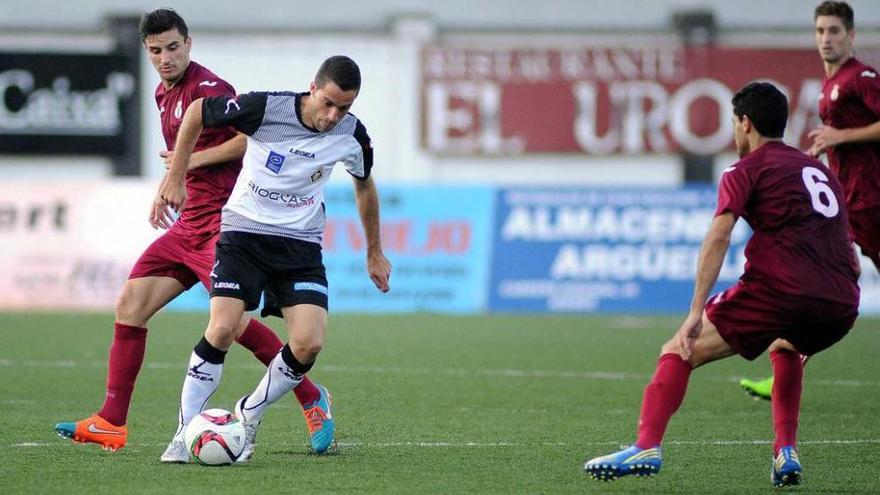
(750, 316)
(185, 258)
(865, 225)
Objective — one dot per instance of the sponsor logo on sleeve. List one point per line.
(232, 102)
(209, 84)
(869, 73)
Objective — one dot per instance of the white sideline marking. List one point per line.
(400, 370)
(862, 441)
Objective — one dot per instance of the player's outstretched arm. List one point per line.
(173, 190)
(225, 152)
(712, 254)
(368, 207)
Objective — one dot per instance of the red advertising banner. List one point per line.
(601, 101)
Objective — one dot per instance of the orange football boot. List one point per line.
(95, 430)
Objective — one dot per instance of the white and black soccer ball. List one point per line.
(214, 438)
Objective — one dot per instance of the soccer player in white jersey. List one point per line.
(273, 224)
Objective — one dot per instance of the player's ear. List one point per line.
(746, 124)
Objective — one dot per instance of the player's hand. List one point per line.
(167, 156)
(380, 270)
(824, 137)
(173, 194)
(160, 215)
(815, 151)
(688, 332)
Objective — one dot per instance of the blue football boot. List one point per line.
(319, 419)
(632, 461)
(786, 468)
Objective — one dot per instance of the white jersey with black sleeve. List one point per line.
(280, 190)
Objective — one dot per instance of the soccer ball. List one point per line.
(214, 438)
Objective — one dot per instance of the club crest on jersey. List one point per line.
(835, 92)
(178, 110)
(316, 176)
(275, 162)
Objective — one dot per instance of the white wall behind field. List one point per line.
(455, 14)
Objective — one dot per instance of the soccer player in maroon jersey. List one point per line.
(798, 294)
(183, 255)
(849, 106)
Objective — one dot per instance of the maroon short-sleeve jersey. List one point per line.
(851, 98)
(207, 188)
(801, 244)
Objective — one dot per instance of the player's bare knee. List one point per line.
(221, 335)
(129, 309)
(307, 350)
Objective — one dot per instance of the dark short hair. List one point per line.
(159, 21)
(342, 71)
(765, 106)
(837, 9)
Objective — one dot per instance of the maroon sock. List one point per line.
(123, 366)
(662, 397)
(265, 344)
(788, 374)
(306, 392)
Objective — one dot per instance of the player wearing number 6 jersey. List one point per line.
(798, 293)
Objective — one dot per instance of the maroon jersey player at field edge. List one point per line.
(849, 107)
(184, 255)
(798, 294)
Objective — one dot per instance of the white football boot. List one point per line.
(250, 431)
(176, 452)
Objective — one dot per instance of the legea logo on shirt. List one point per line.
(275, 162)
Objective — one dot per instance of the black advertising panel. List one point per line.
(65, 103)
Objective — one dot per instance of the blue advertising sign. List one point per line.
(611, 250)
(438, 239)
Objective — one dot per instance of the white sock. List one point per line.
(201, 380)
(277, 382)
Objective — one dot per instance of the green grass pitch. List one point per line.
(435, 404)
